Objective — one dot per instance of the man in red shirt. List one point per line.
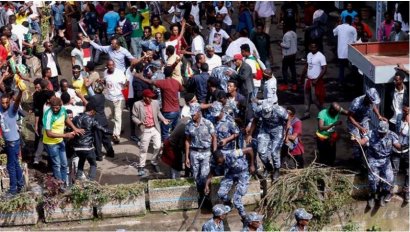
(293, 147)
(170, 89)
(146, 115)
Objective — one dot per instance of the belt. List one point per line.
(148, 127)
(199, 149)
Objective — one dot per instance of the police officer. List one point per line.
(302, 220)
(381, 142)
(226, 129)
(271, 135)
(200, 139)
(253, 222)
(237, 171)
(216, 223)
(359, 117)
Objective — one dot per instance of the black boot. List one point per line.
(110, 153)
(371, 200)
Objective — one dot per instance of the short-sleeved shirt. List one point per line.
(136, 24)
(269, 89)
(220, 73)
(296, 127)
(8, 122)
(227, 20)
(169, 92)
(161, 29)
(111, 18)
(315, 63)
(145, 13)
(235, 163)
(327, 120)
(225, 128)
(216, 39)
(79, 84)
(211, 226)
(78, 56)
(346, 13)
(114, 83)
(200, 135)
(381, 147)
(361, 112)
(55, 123)
(276, 120)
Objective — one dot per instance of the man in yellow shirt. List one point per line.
(156, 26)
(78, 80)
(54, 120)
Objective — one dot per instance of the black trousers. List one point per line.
(88, 155)
(130, 105)
(101, 139)
(288, 62)
(327, 152)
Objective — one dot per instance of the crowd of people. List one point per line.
(202, 92)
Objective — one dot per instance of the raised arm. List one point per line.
(248, 152)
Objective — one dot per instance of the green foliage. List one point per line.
(21, 202)
(172, 183)
(270, 227)
(374, 228)
(3, 157)
(350, 226)
(322, 191)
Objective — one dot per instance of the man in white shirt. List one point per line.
(216, 37)
(314, 72)
(64, 87)
(289, 47)
(212, 59)
(346, 34)
(270, 86)
(18, 30)
(198, 43)
(115, 81)
(222, 10)
(398, 95)
(265, 10)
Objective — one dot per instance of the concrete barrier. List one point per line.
(174, 197)
(20, 217)
(66, 212)
(129, 207)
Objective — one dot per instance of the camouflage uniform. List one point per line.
(219, 72)
(301, 214)
(217, 210)
(236, 171)
(252, 217)
(201, 141)
(361, 114)
(380, 149)
(225, 127)
(270, 137)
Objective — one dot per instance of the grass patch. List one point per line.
(172, 183)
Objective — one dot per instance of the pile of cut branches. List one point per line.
(322, 191)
